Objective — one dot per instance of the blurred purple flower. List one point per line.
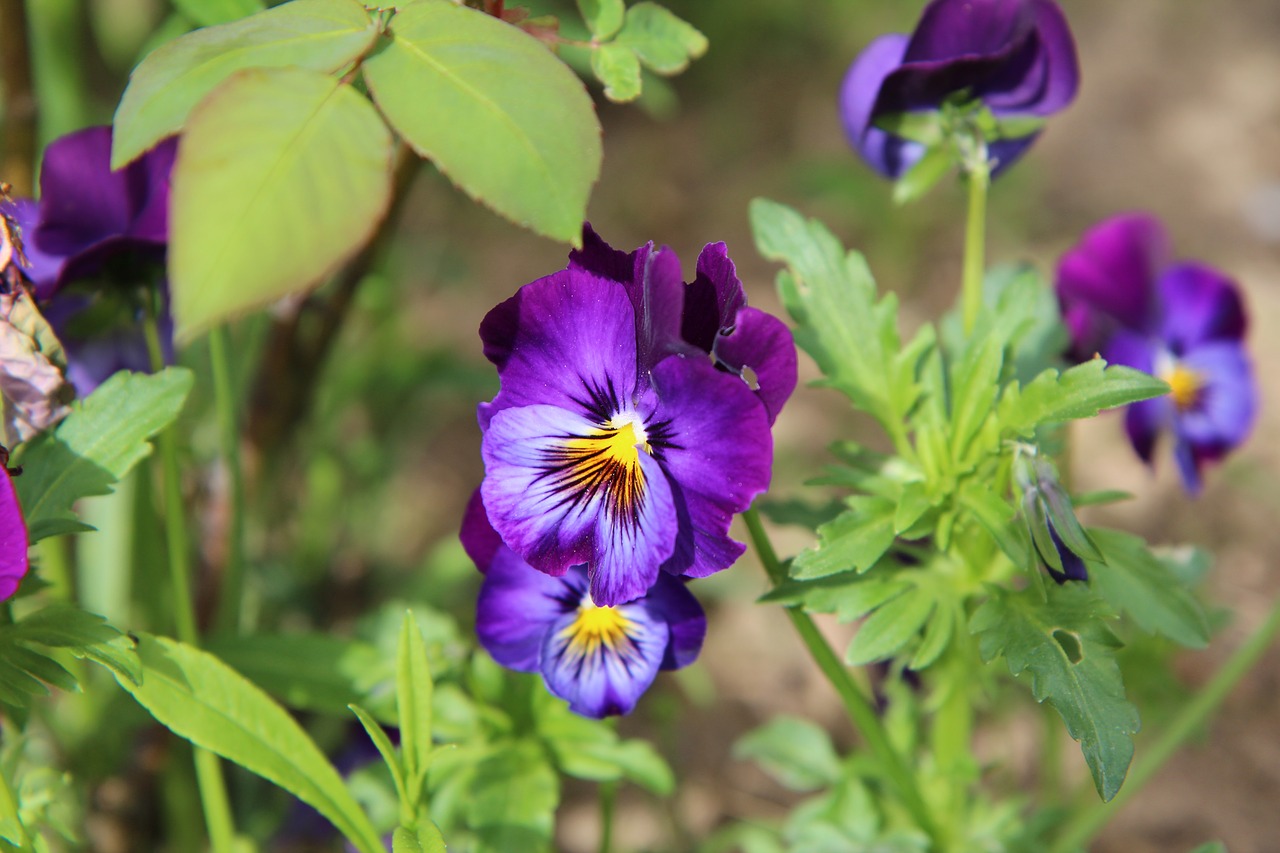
(1015, 56)
(1123, 299)
(13, 534)
(95, 224)
(614, 442)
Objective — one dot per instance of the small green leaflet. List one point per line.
(794, 751)
(1070, 653)
(513, 799)
(591, 749)
(663, 42)
(854, 540)
(1136, 583)
(98, 443)
(1080, 392)
(618, 68)
(603, 17)
(24, 664)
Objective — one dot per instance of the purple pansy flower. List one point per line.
(615, 442)
(93, 223)
(13, 535)
(1123, 299)
(1016, 56)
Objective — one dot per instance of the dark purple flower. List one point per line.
(13, 535)
(599, 659)
(1123, 299)
(1016, 57)
(110, 228)
(616, 443)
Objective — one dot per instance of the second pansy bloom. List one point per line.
(634, 416)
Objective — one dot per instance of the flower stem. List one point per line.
(229, 603)
(978, 170)
(1190, 719)
(213, 791)
(608, 796)
(863, 716)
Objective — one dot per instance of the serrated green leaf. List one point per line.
(855, 540)
(98, 443)
(849, 595)
(891, 626)
(414, 686)
(618, 68)
(832, 298)
(282, 174)
(913, 504)
(513, 798)
(207, 13)
(998, 518)
(84, 635)
(664, 42)
(201, 699)
(1135, 582)
(603, 17)
(320, 35)
(1070, 653)
(924, 175)
(493, 108)
(1080, 392)
(795, 752)
(975, 382)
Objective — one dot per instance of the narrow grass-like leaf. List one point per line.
(281, 175)
(493, 108)
(388, 752)
(413, 701)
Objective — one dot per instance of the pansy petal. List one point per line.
(858, 95)
(1200, 305)
(716, 450)
(603, 670)
(42, 268)
(955, 28)
(1224, 414)
(517, 607)
(1003, 153)
(13, 539)
(763, 343)
(557, 494)
(713, 298)
(567, 340)
(1051, 76)
(1112, 272)
(81, 200)
(1189, 465)
(479, 539)
(671, 602)
(1143, 422)
(151, 217)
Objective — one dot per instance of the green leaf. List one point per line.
(855, 540)
(320, 35)
(591, 749)
(207, 13)
(98, 443)
(937, 636)
(831, 296)
(603, 17)
(387, 750)
(975, 381)
(618, 68)
(405, 840)
(849, 595)
(1080, 392)
(793, 751)
(923, 126)
(664, 43)
(924, 175)
(283, 174)
(413, 704)
(1070, 653)
(891, 626)
(1134, 581)
(85, 635)
(998, 518)
(203, 700)
(493, 108)
(513, 799)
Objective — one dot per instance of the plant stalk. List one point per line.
(608, 797)
(229, 602)
(978, 171)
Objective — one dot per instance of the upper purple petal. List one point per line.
(1199, 304)
(517, 607)
(974, 28)
(763, 343)
(1043, 76)
(13, 539)
(712, 300)
(888, 154)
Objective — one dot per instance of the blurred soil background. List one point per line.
(1178, 113)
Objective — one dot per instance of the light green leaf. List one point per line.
(203, 700)
(998, 518)
(207, 13)
(513, 799)
(282, 174)
(98, 443)
(664, 43)
(603, 17)
(617, 67)
(1134, 581)
(855, 540)
(1070, 653)
(1080, 392)
(924, 175)
(405, 840)
(925, 126)
(387, 750)
(320, 35)
(975, 381)
(493, 108)
(793, 751)
(85, 635)
(937, 636)
(890, 627)
(413, 704)
(850, 595)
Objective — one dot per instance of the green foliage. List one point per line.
(856, 539)
(201, 699)
(1134, 582)
(494, 110)
(284, 173)
(319, 35)
(414, 687)
(1070, 652)
(926, 174)
(95, 446)
(207, 13)
(1080, 392)
(796, 752)
(603, 17)
(618, 68)
(663, 42)
(27, 662)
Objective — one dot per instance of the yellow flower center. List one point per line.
(1185, 384)
(596, 627)
(605, 464)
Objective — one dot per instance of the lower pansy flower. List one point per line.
(13, 533)
(599, 659)
(1184, 322)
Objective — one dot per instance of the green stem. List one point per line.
(975, 235)
(213, 789)
(229, 603)
(863, 716)
(608, 796)
(1190, 719)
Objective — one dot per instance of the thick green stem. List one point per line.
(1081, 830)
(608, 797)
(229, 602)
(861, 713)
(213, 790)
(975, 238)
